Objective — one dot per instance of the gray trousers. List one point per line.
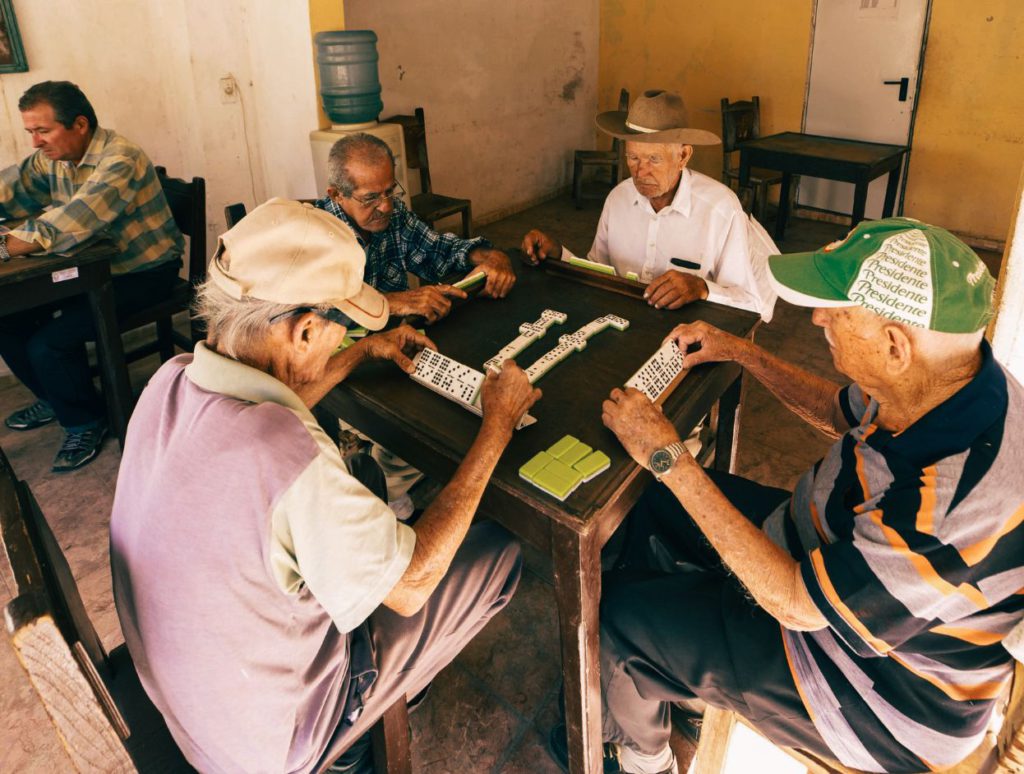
(410, 651)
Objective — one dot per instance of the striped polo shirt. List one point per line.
(912, 547)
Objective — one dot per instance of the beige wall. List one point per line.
(969, 137)
(509, 90)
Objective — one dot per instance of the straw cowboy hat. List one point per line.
(657, 116)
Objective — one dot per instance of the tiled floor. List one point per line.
(491, 710)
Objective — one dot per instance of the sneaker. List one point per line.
(357, 759)
(36, 415)
(558, 748)
(78, 449)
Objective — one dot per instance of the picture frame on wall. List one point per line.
(12, 53)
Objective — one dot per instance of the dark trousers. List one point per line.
(47, 352)
(676, 626)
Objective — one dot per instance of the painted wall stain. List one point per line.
(570, 88)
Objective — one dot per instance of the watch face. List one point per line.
(661, 461)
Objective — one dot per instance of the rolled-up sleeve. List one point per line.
(24, 189)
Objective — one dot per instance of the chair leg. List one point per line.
(391, 740)
(761, 203)
(715, 732)
(467, 220)
(165, 338)
(577, 184)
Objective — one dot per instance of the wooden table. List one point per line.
(27, 282)
(833, 158)
(434, 434)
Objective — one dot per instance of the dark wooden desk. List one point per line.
(26, 282)
(848, 161)
(434, 434)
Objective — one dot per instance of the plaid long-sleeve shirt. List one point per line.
(113, 191)
(407, 245)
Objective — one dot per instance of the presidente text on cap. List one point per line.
(292, 253)
(898, 268)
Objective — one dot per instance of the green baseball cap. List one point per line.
(898, 268)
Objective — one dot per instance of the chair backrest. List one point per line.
(187, 201)
(623, 107)
(234, 213)
(741, 121)
(414, 133)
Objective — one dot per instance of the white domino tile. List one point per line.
(528, 333)
(573, 342)
(453, 380)
(660, 374)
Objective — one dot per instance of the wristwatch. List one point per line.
(663, 459)
(4, 254)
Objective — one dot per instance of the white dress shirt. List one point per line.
(705, 224)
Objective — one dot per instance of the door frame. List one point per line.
(904, 173)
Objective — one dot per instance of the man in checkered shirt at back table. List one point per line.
(82, 181)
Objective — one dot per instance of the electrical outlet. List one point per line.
(228, 89)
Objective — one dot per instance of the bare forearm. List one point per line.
(770, 574)
(810, 397)
(17, 246)
(443, 526)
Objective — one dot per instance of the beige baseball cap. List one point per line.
(292, 253)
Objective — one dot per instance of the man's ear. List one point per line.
(305, 329)
(900, 349)
(333, 192)
(80, 124)
(685, 155)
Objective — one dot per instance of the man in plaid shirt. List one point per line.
(363, 192)
(82, 181)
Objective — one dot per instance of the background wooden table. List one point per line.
(833, 158)
(434, 434)
(27, 282)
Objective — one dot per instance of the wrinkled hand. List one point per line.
(714, 345)
(640, 426)
(674, 289)
(538, 246)
(430, 301)
(505, 397)
(498, 268)
(399, 345)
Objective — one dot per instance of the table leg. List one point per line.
(783, 214)
(860, 201)
(728, 420)
(891, 187)
(110, 354)
(577, 565)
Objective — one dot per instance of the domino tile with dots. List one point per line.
(660, 374)
(529, 332)
(573, 342)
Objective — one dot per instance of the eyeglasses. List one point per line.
(374, 200)
(332, 314)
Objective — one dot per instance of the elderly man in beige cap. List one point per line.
(680, 232)
(273, 605)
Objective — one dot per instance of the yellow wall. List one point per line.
(969, 137)
(707, 51)
(324, 15)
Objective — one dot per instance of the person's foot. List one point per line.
(79, 448)
(558, 748)
(36, 415)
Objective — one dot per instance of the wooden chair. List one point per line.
(597, 158)
(428, 206)
(187, 201)
(98, 707)
(1000, 752)
(741, 121)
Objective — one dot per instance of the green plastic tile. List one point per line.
(534, 465)
(585, 264)
(575, 453)
(558, 479)
(594, 463)
(633, 276)
(470, 281)
(561, 447)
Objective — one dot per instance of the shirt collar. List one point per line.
(213, 372)
(93, 153)
(953, 425)
(680, 202)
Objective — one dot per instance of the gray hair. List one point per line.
(238, 326)
(360, 146)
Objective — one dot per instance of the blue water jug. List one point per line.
(349, 84)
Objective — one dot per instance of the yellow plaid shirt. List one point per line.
(113, 191)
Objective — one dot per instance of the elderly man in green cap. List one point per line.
(682, 233)
(861, 617)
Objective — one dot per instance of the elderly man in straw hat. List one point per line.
(863, 617)
(680, 232)
(273, 605)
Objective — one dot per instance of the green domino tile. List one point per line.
(557, 479)
(585, 264)
(470, 281)
(534, 465)
(594, 463)
(633, 276)
(562, 446)
(575, 453)
(357, 332)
